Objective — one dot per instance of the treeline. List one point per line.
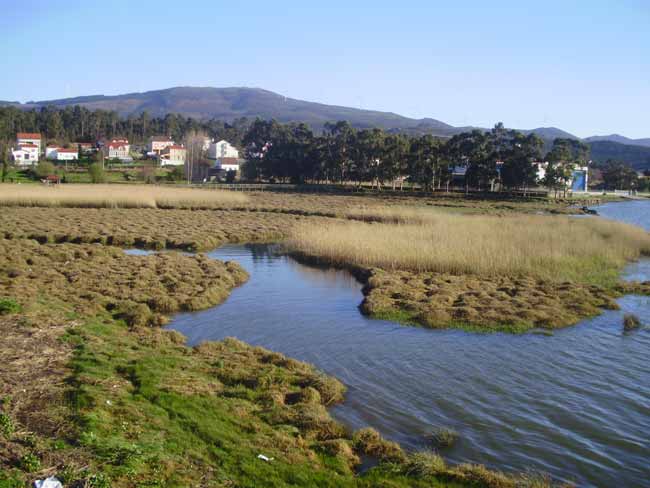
(499, 158)
(78, 124)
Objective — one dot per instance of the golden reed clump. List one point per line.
(546, 247)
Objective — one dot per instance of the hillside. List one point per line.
(636, 156)
(620, 139)
(231, 103)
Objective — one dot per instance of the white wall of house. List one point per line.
(66, 154)
(222, 149)
(173, 156)
(25, 155)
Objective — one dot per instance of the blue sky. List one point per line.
(583, 66)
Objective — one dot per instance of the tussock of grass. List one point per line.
(443, 438)
(116, 196)
(555, 248)
(631, 322)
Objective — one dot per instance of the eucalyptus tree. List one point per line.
(519, 169)
(341, 137)
(475, 151)
(395, 159)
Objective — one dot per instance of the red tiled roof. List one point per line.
(28, 135)
(62, 150)
(27, 145)
(117, 144)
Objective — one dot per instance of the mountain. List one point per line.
(231, 103)
(550, 133)
(636, 156)
(620, 139)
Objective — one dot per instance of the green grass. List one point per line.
(146, 411)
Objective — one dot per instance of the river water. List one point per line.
(575, 405)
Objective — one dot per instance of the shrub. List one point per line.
(8, 305)
(96, 172)
(631, 322)
(45, 168)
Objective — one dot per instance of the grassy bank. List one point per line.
(95, 393)
(116, 196)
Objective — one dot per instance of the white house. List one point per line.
(222, 149)
(158, 143)
(63, 154)
(25, 154)
(34, 138)
(117, 149)
(173, 156)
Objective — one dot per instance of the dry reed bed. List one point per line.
(555, 248)
(117, 196)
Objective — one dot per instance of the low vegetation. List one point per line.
(116, 196)
(96, 394)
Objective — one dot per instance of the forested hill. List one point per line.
(636, 156)
(228, 104)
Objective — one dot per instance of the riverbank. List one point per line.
(95, 392)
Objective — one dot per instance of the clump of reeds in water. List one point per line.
(631, 322)
(443, 438)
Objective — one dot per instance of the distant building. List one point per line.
(222, 149)
(117, 149)
(85, 147)
(25, 154)
(580, 179)
(63, 154)
(173, 156)
(157, 144)
(34, 138)
(227, 164)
